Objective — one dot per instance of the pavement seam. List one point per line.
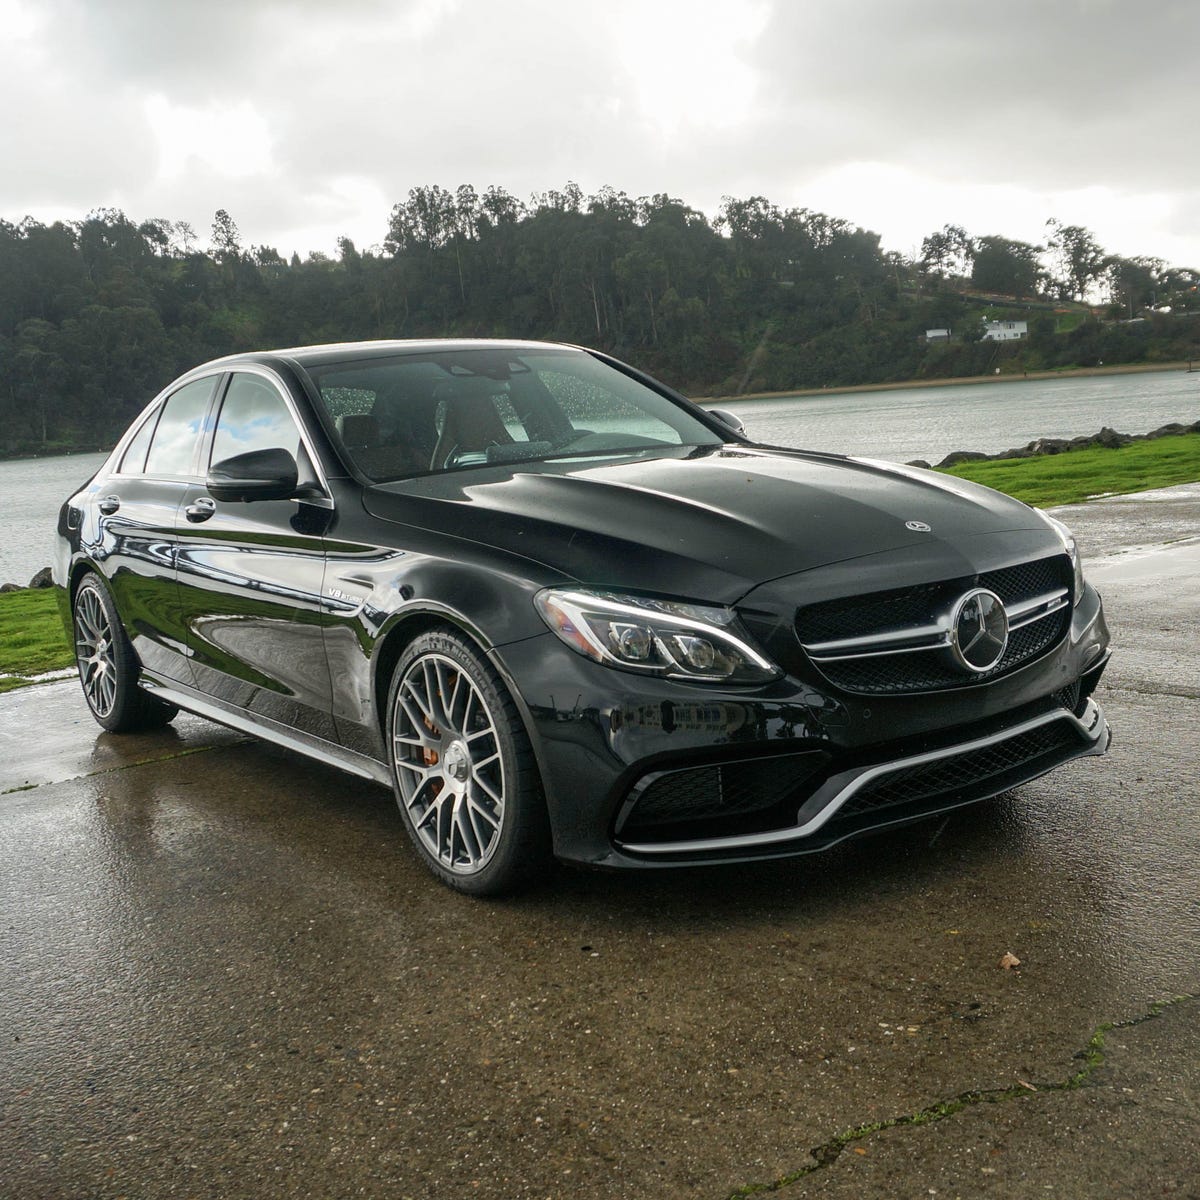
(186, 752)
(1141, 688)
(828, 1152)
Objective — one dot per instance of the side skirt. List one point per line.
(328, 753)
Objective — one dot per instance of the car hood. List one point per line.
(708, 523)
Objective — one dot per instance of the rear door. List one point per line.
(136, 511)
(251, 573)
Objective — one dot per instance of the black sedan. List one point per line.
(561, 610)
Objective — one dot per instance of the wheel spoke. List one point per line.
(438, 697)
(487, 762)
(419, 770)
(421, 718)
(480, 815)
(432, 700)
(419, 738)
(426, 806)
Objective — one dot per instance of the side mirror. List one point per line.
(727, 418)
(257, 475)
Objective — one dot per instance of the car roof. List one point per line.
(311, 356)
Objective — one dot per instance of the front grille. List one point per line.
(966, 774)
(861, 615)
(915, 608)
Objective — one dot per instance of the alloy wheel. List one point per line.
(95, 652)
(449, 767)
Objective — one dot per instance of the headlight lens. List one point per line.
(1068, 541)
(657, 637)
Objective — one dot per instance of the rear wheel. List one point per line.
(463, 769)
(108, 666)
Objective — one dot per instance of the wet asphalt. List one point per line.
(223, 973)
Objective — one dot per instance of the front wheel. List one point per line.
(108, 666)
(464, 774)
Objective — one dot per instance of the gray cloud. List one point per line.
(375, 96)
(1051, 93)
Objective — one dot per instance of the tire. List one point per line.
(108, 666)
(463, 770)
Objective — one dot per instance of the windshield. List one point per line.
(449, 410)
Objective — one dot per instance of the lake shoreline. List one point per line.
(846, 389)
(1183, 366)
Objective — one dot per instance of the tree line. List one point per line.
(97, 315)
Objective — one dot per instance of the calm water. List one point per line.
(899, 425)
(31, 492)
(929, 423)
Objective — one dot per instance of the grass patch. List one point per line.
(32, 639)
(1078, 474)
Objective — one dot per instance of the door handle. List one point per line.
(200, 510)
(108, 505)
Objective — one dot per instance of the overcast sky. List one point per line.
(309, 119)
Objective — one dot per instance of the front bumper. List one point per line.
(644, 773)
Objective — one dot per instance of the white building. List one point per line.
(1005, 331)
(937, 335)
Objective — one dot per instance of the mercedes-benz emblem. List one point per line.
(979, 631)
(917, 526)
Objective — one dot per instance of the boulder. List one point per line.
(42, 579)
(1111, 439)
(11, 587)
(1048, 446)
(961, 456)
(918, 462)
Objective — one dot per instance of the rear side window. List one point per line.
(173, 449)
(133, 461)
(253, 416)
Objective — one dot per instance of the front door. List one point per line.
(250, 575)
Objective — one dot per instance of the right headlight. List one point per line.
(1072, 549)
(696, 642)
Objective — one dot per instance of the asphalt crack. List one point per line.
(1092, 1054)
(186, 752)
(1141, 687)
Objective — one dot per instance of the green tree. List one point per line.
(1005, 266)
(226, 240)
(1078, 259)
(948, 251)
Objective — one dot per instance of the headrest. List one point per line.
(358, 430)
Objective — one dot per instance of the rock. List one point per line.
(961, 456)
(1108, 438)
(918, 462)
(11, 587)
(1048, 446)
(1111, 439)
(42, 579)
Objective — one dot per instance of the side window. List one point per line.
(253, 416)
(133, 461)
(174, 444)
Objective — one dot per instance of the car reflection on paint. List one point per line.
(562, 611)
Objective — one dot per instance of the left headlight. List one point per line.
(657, 637)
(1072, 549)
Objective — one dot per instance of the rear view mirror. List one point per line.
(257, 475)
(728, 418)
